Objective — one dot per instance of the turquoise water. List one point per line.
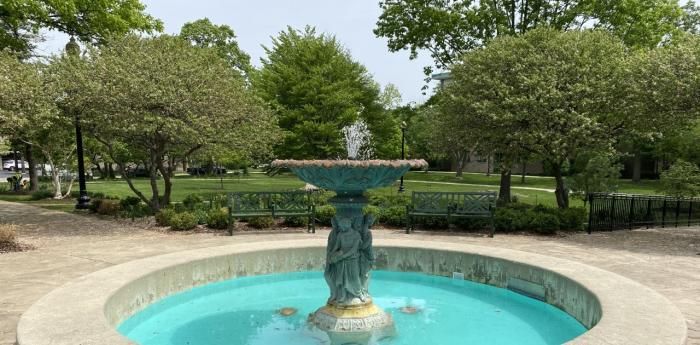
(244, 311)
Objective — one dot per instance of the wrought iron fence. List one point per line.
(626, 211)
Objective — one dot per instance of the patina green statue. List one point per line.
(349, 314)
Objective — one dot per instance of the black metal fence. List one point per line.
(627, 211)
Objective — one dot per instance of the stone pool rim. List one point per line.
(87, 310)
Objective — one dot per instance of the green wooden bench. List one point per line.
(451, 205)
(271, 204)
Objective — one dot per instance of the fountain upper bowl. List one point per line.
(350, 175)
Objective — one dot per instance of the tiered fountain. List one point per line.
(350, 315)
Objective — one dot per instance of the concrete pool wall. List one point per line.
(617, 310)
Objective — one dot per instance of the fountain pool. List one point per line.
(426, 310)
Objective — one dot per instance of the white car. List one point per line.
(10, 164)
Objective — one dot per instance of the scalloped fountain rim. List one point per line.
(330, 163)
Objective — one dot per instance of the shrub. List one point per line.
(261, 222)
(94, 205)
(129, 201)
(164, 216)
(371, 209)
(41, 194)
(217, 219)
(109, 207)
(192, 201)
(296, 221)
(8, 233)
(682, 179)
(393, 215)
(324, 214)
(183, 221)
(572, 218)
(543, 223)
(201, 215)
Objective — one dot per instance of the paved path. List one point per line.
(71, 245)
(494, 187)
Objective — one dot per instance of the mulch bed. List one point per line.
(11, 247)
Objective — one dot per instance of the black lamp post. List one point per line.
(73, 50)
(403, 153)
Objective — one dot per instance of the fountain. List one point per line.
(350, 315)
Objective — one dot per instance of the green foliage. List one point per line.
(109, 207)
(682, 179)
(316, 89)
(203, 33)
(90, 21)
(192, 201)
(183, 221)
(261, 222)
(543, 223)
(371, 209)
(296, 221)
(572, 218)
(41, 194)
(324, 214)
(549, 93)
(393, 216)
(217, 219)
(447, 29)
(597, 173)
(156, 122)
(164, 216)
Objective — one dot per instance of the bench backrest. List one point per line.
(454, 202)
(260, 202)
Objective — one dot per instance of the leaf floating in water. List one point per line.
(287, 311)
(409, 310)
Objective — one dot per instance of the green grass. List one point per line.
(414, 181)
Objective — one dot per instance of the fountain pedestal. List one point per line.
(349, 315)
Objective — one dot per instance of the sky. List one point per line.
(254, 22)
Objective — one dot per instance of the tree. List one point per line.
(594, 173)
(89, 21)
(316, 89)
(203, 33)
(29, 114)
(449, 28)
(681, 180)
(158, 101)
(550, 94)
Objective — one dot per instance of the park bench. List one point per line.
(451, 205)
(271, 204)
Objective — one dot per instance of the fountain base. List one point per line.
(356, 323)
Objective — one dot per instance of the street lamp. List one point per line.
(73, 50)
(403, 153)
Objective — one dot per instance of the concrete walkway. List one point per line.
(70, 246)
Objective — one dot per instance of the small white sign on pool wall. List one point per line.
(457, 275)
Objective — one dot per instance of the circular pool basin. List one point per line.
(426, 310)
(474, 307)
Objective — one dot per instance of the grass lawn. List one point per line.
(414, 181)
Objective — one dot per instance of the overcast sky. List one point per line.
(351, 21)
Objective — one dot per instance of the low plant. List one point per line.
(183, 221)
(8, 233)
(192, 201)
(324, 214)
(261, 222)
(217, 219)
(41, 194)
(543, 223)
(296, 221)
(393, 216)
(164, 216)
(109, 207)
(572, 218)
(201, 215)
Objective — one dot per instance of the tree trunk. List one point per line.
(637, 168)
(488, 165)
(523, 172)
(14, 153)
(33, 178)
(560, 192)
(110, 171)
(461, 159)
(504, 190)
